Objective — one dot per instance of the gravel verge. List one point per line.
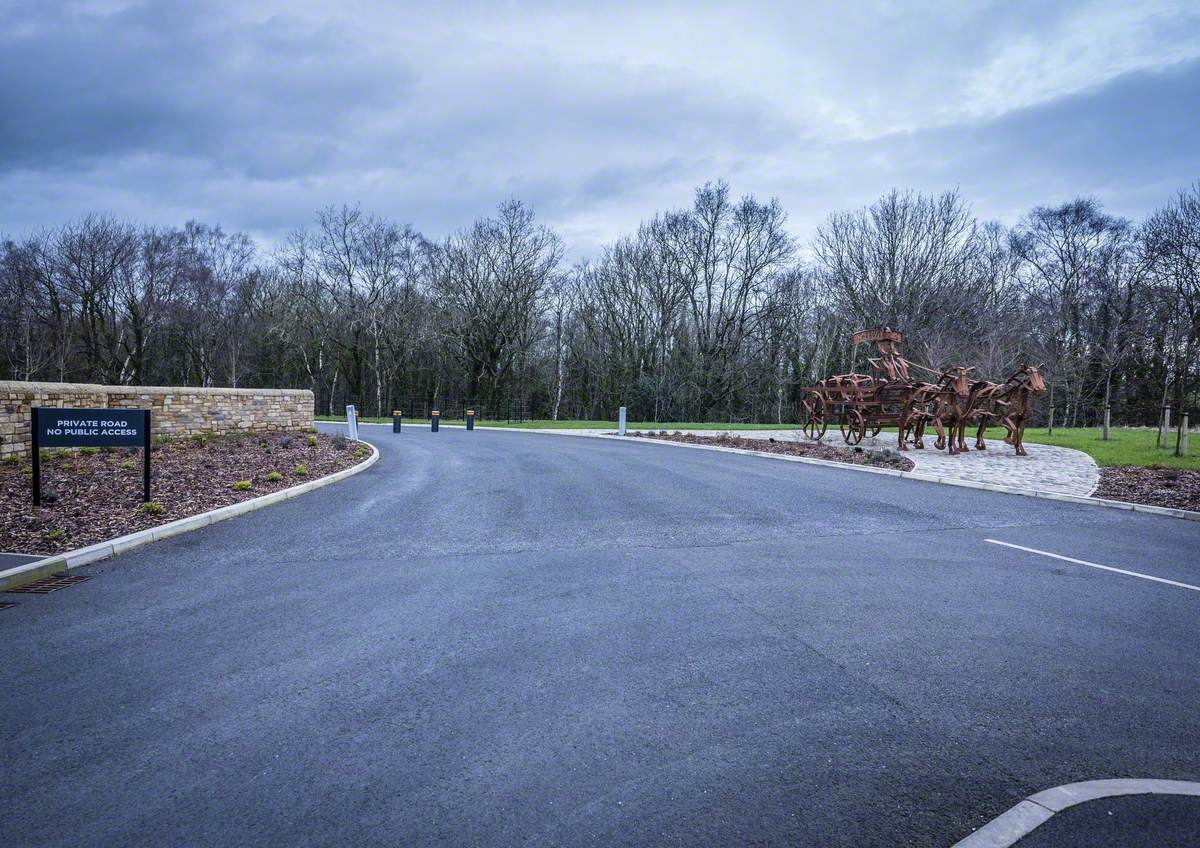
(814, 450)
(92, 495)
(1170, 487)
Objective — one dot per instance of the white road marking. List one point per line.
(1096, 565)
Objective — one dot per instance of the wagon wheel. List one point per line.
(854, 427)
(875, 431)
(813, 416)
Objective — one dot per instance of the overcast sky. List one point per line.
(254, 115)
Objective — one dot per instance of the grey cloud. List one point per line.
(163, 112)
(174, 79)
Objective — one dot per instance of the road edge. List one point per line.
(1018, 821)
(20, 575)
(1171, 512)
(1185, 514)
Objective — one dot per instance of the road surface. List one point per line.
(498, 638)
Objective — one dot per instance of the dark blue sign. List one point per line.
(54, 427)
(91, 428)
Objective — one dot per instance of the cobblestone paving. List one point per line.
(1046, 469)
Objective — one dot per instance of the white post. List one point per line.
(1181, 446)
(352, 422)
(1165, 435)
(621, 422)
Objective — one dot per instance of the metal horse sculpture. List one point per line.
(889, 396)
(1010, 403)
(958, 406)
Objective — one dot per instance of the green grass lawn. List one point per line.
(1126, 447)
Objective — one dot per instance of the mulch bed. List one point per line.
(98, 493)
(1171, 487)
(815, 450)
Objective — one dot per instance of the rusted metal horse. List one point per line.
(1009, 402)
(953, 407)
(923, 409)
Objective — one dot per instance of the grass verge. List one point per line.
(1125, 447)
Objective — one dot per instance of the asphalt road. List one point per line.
(498, 638)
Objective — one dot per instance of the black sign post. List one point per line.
(54, 427)
(397, 420)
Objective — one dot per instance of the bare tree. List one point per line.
(36, 323)
(702, 311)
(92, 259)
(491, 281)
(903, 262)
(220, 300)
(1171, 251)
(1062, 250)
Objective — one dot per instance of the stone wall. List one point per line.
(176, 411)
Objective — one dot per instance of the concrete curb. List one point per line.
(59, 563)
(1186, 514)
(1011, 826)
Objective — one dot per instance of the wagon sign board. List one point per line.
(885, 334)
(55, 427)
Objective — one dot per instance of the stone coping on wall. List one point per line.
(37, 387)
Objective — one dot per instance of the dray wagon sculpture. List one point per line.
(862, 404)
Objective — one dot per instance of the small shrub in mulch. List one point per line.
(97, 494)
(815, 450)
(1156, 485)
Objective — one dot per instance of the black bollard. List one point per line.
(470, 419)
(433, 420)
(396, 417)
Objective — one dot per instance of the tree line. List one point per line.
(714, 311)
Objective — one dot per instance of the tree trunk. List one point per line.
(1107, 397)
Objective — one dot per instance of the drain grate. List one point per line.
(51, 584)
